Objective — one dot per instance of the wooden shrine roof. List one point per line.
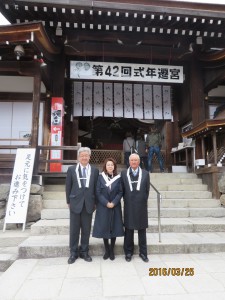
(205, 127)
(167, 31)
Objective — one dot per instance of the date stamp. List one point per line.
(171, 271)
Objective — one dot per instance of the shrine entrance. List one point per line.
(106, 111)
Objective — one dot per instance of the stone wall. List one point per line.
(221, 185)
(34, 206)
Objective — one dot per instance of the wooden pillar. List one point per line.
(35, 111)
(197, 93)
(214, 147)
(203, 147)
(74, 135)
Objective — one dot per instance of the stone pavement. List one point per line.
(54, 279)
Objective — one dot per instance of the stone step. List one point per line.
(182, 194)
(217, 212)
(155, 181)
(57, 246)
(164, 176)
(185, 187)
(172, 203)
(192, 194)
(174, 180)
(159, 186)
(61, 226)
(9, 241)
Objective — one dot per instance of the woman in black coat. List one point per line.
(108, 219)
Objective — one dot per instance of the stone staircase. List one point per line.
(191, 220)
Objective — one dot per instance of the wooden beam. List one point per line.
(24, 97)
(155, 6)
(124, 51)
(23, 68)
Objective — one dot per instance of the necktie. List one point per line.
(134, 172)
(84, 177)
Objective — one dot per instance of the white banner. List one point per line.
(87, 99)
(98, 102)
(138, 105)
(108, 100)
(157, 103)
(91, 70)
(118, 100)
(167, 114)
(19, 194)
(78, 93)
(148, 110)
(128, 102)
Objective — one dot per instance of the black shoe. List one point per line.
(112, 255)
(106, 255)
(144, 257)
(86, 257)
(72, 259)
(128, 257)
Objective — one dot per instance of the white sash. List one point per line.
(138, 181)
(88, 174)
(108, 181)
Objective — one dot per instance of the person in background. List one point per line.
(108, 222)
(141, 150)
(154, 143)
(136, 187)
(128, 145)
(81, 183)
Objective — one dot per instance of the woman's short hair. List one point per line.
(114, 163)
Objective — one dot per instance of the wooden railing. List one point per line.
(43, 161)
(42, 157)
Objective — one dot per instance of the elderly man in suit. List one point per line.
(136, 186)
(81, 183)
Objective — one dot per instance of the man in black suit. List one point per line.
(80, 196)
(136, 186)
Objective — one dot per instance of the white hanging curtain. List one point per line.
(122, 100)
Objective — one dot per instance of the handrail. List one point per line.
(159, 199)
(46, 160)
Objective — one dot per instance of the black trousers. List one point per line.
(129, 241)
(80, 224)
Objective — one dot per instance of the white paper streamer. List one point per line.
(108, 100)
(87, 111)
(148, 113)
(98, 101)
(128, 102)
(118, 100)
(167, 114)
(138, 105)
(78, 93)
(157, 102)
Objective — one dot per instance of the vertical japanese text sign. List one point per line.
(19, 194)
(57, 113)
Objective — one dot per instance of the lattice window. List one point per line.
(98, 156)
